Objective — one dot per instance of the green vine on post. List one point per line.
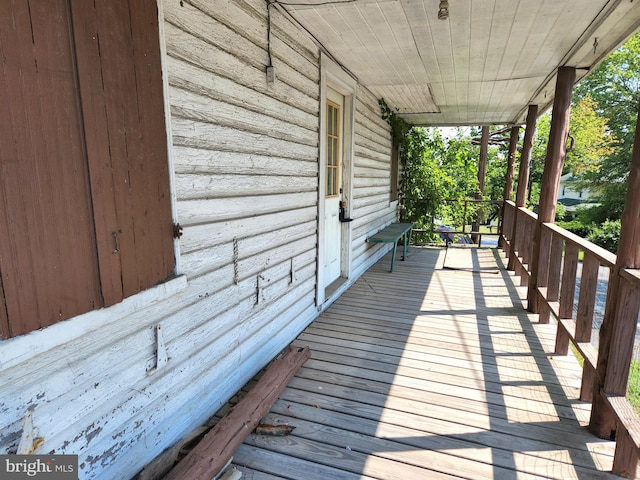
(399, 128)
(412, 148)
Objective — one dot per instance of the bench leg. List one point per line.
(407, 240)
(393, 255)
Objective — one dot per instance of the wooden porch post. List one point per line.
(556, 151)
(523, 176)
(620, 316)
(511, 162)
(482, 169)
(525, 157)
(511, 165)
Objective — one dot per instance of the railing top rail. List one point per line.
(528, 213)
(604, 256)
(468, 200)
(632, 275)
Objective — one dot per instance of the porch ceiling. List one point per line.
(483, 65)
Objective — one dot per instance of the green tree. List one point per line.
(538, 156)
(425, 185)
(615, 87)
(591, 142)
(440, 172)
(458, 159)
(606, 235)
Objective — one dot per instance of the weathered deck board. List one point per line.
(431, 373)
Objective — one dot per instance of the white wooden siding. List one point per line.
(372, 183)
(245, 157)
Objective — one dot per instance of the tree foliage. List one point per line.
(439, 173)
(614, 86)
(603, 123)
(591, 139)
(606, 235)
(590, 143)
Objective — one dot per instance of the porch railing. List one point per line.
(556, 291)
(464, 217)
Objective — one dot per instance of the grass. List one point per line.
(633, 388)
(633, 385)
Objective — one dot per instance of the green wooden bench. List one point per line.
(392, 234)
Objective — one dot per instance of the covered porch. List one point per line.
(461, 369)
(434, 371)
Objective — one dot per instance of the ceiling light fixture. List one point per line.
(443, 10)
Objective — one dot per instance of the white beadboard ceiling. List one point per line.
(483, 65)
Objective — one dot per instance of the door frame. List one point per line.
(333, 76)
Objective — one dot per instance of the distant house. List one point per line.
(571, 195)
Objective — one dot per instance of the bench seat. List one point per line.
(392, 234)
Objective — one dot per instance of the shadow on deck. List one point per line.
(430, 373)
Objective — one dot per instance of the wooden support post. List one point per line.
(525, 157)
(217, 447)
(508, 181)
(482, 166)
(482, 170)
(523, 178)
(619, 324)
(556, 151)
(511, 162)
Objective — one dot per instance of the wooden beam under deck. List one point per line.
(431, 373)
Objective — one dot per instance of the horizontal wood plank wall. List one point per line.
(372, 185)
(245, 155)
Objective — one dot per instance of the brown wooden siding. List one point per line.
(121, 63)
(46, 237)
(84, 133)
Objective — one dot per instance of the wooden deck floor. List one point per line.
(431, 373)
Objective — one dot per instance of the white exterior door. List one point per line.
(333, 187)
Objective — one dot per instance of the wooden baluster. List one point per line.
(555, 262)
(567, 294)
(523, 179)
(587, 299)
(569, 273)
(506, 230)
(543, 271)
(519, 235)
(553, 280)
